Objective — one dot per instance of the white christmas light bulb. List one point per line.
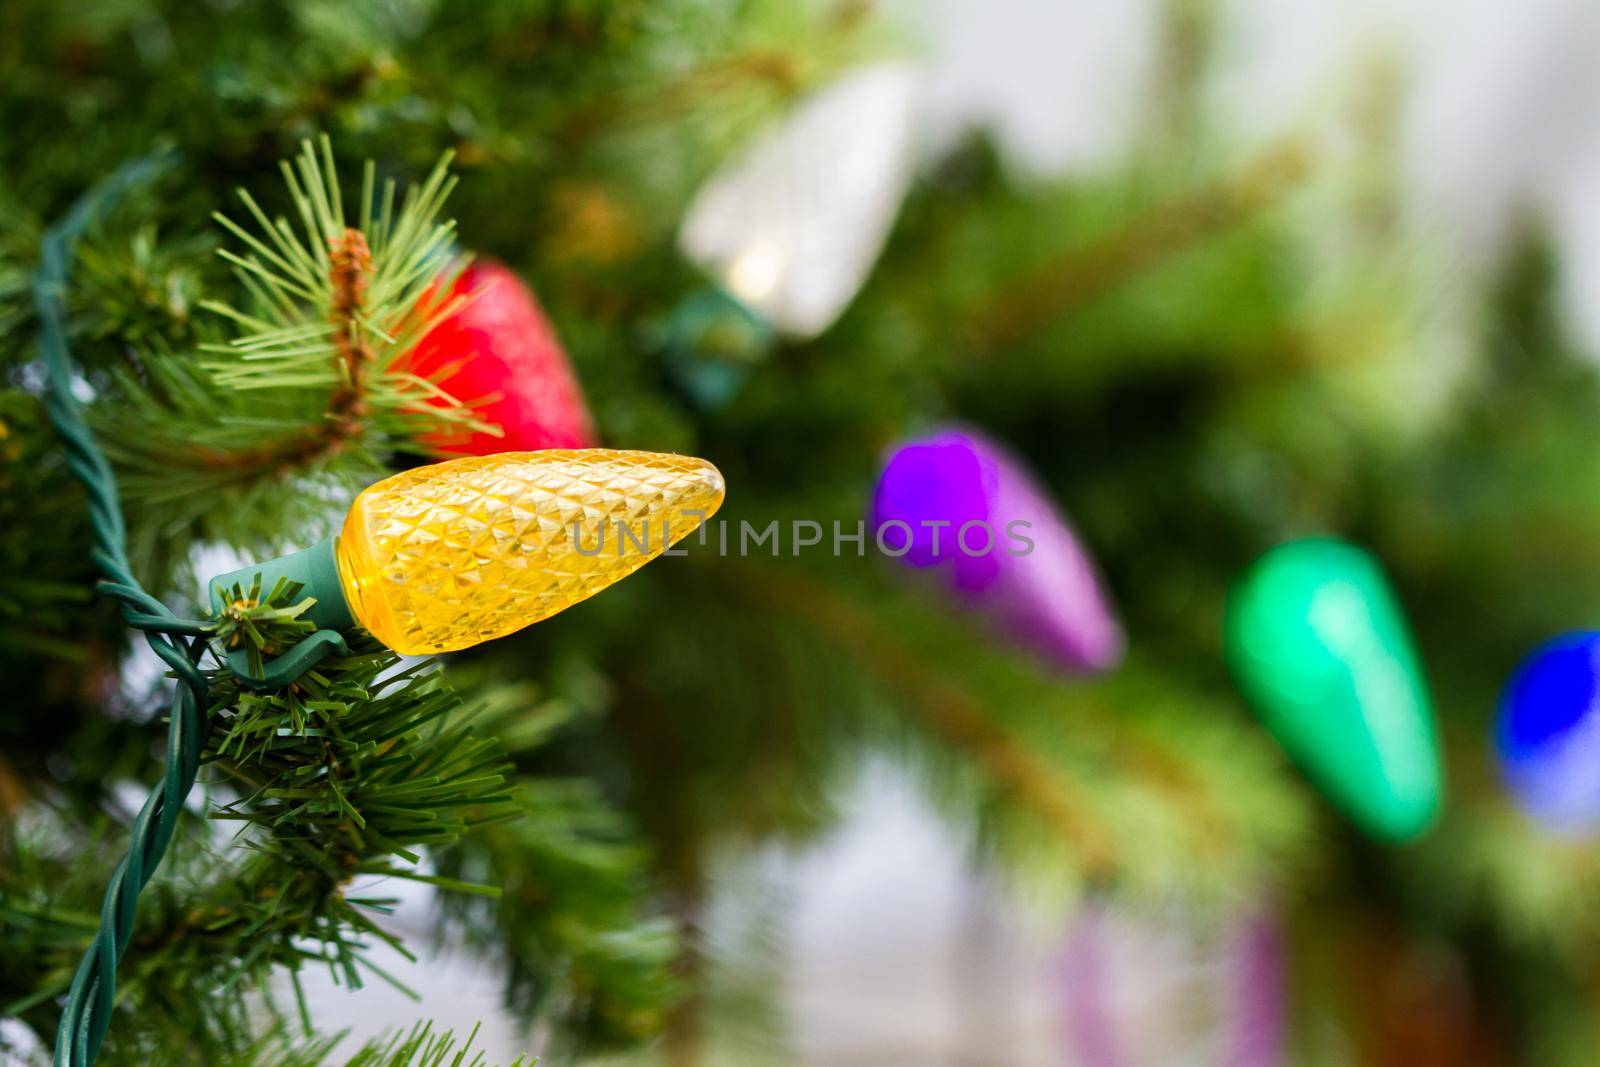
(793, 225)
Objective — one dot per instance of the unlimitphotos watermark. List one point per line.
(893, 537)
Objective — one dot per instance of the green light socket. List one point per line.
(314, 568)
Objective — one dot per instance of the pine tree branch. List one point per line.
(799, 59)
(352, 772)
(333, 306)
(344, 419)
(765, 67)
(949, 713)
(1077, 763)
(419, 1046)
(1082, 275)
(583, 950)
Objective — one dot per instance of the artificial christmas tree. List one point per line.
(1199, 351)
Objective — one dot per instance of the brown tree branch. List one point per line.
(346, 414)
(1084, 274)
(951, 714)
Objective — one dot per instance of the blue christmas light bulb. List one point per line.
(1548, 736)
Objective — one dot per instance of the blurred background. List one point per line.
(1193, 278)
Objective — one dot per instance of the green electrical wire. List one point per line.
(178, 642)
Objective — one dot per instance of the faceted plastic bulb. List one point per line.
(447, 556)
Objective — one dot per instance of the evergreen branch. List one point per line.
(353, 284)
(950, 714)
(419, 1046)
(333, 308)
(349, 770)
(47, 584)
(312, 387)
(1082, 275)
(353, 359)
(90, 998)
(1076, 779)
(783, 63)
(355, 770)
(570, 925)
(781, 70)
(261, 625)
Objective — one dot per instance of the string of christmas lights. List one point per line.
(434, 559)
(448, 555)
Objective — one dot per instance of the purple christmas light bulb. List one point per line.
(957, 503)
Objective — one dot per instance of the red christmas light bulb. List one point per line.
(498, 354)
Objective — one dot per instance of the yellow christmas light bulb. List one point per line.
(446, 556)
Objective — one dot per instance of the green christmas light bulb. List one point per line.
(1318, 645)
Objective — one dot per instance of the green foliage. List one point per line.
(567, 918)
(262, 625)
(419, 1046)
(350, 776)
(309, 385)
(56, 642)
(360, 770)
(1199, 354)
(40, 595)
